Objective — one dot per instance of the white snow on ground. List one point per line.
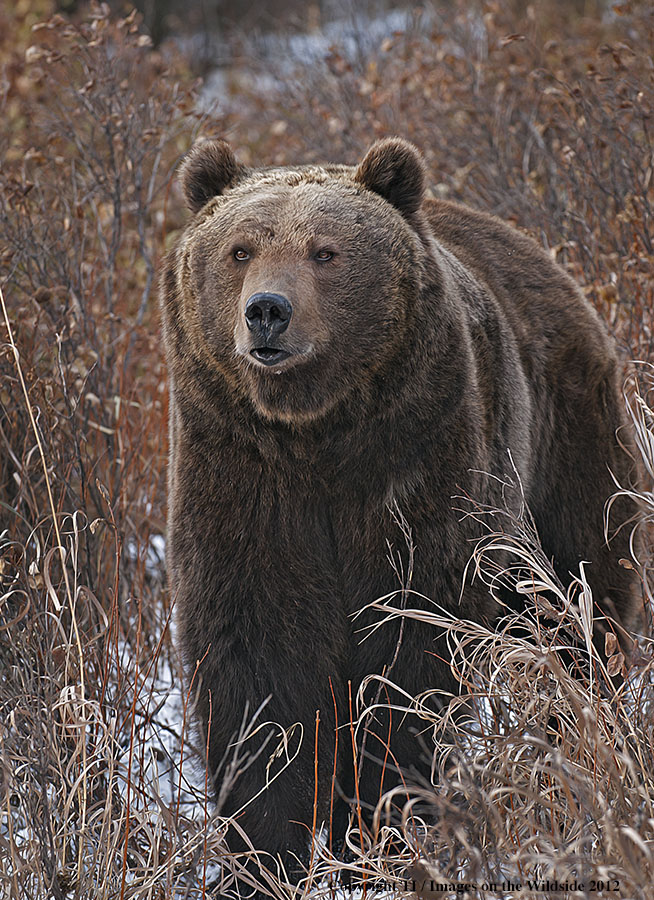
(268, 59)
(155, 557)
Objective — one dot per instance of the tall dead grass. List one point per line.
(103, 791)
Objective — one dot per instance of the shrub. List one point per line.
(100, 797)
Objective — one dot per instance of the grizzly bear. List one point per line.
(343, 352)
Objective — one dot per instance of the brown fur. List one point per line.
(433, 342)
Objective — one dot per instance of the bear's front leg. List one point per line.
(267, 712)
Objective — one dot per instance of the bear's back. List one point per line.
(560, 337)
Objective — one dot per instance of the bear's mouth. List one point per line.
(269, 356)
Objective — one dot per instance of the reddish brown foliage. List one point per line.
(532, 113)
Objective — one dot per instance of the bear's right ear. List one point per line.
(394, 169)
(209, 168)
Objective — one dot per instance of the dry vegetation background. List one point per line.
(534, 113)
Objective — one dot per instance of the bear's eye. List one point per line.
(240, 254)
(323, 255)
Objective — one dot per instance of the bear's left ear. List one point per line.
(394, 169)
(209, 168)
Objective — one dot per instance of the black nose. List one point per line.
(267, 314)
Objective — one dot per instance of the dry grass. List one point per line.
(103, 792)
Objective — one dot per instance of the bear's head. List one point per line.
(299, 283)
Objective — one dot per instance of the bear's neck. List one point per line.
(377, 436)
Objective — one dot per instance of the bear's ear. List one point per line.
(209, 168)
(394, 169)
